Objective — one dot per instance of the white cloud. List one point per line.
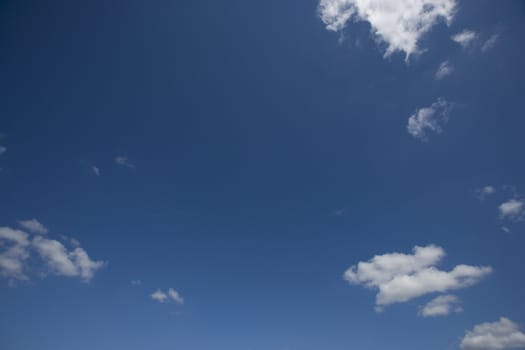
(16, 248)
(61, 262)
(33, 226)
(486, 191)
(465, 38)
(3, 150)
(400, 24)
(401, 277)
(500, 335)
(95, 170)
(505, 229)
(445, 68)
(136, 282)
(172, 294)
(490, 43)
(175, 296)
(428, 119)
(14, 253)
(441, 306)
(124, 161)
(512, 209)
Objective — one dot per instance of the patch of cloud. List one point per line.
(33, 226)
(500, 335)
(50, 256)
(136, 282)
(485, 192)
(2, 150)
(441, 306)
(465, 38)
(429, 119)
(95, 170)
(124, 161)
(401, 277)
(505, 229)
(490, 43)
(399, 24)
(171, 295)
(444, 69)
(513, 209)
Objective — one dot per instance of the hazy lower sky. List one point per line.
(256, 175)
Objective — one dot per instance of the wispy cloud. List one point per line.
(33, 226)
(3, 149)
(136, 282)
(465, 38)
(124, 161)
(95, 170)
(399, 24)
(444, 69)
(429, 119)
(401, 277)
(490, 43)
(500, 335)
(172, 295)
(441, 306)
(485, 192)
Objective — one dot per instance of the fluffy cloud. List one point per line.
(172, 294)
(490, 43)
(429, 119)
(399, 24)
(16, 246)
(445, 68)
(124, 161)
(500, 335)
(441, 306)
(401, 277)
(33, 226)
(512, 209)
(465, 38)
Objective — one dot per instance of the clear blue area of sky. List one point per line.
(250, 125)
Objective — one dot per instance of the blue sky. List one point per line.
(254, 175)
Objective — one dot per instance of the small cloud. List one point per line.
(136, 282)
(124, 161)
(500, 335)
(485, 192)
(175, 296)
(505, 229)
(445, 69)
(95, 170)
(490, 43)
(428, 119)
(2, 150)
(441, 306)
(338, 212)
(33, 226)
(465, 38)
(172, 295)
(399, 277)
(512, 209)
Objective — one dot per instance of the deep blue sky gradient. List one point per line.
(249, 126)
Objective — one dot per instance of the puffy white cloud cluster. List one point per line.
(400, 24)
(50, 255)
(499, 335)
(441, 306)
(401, 277)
